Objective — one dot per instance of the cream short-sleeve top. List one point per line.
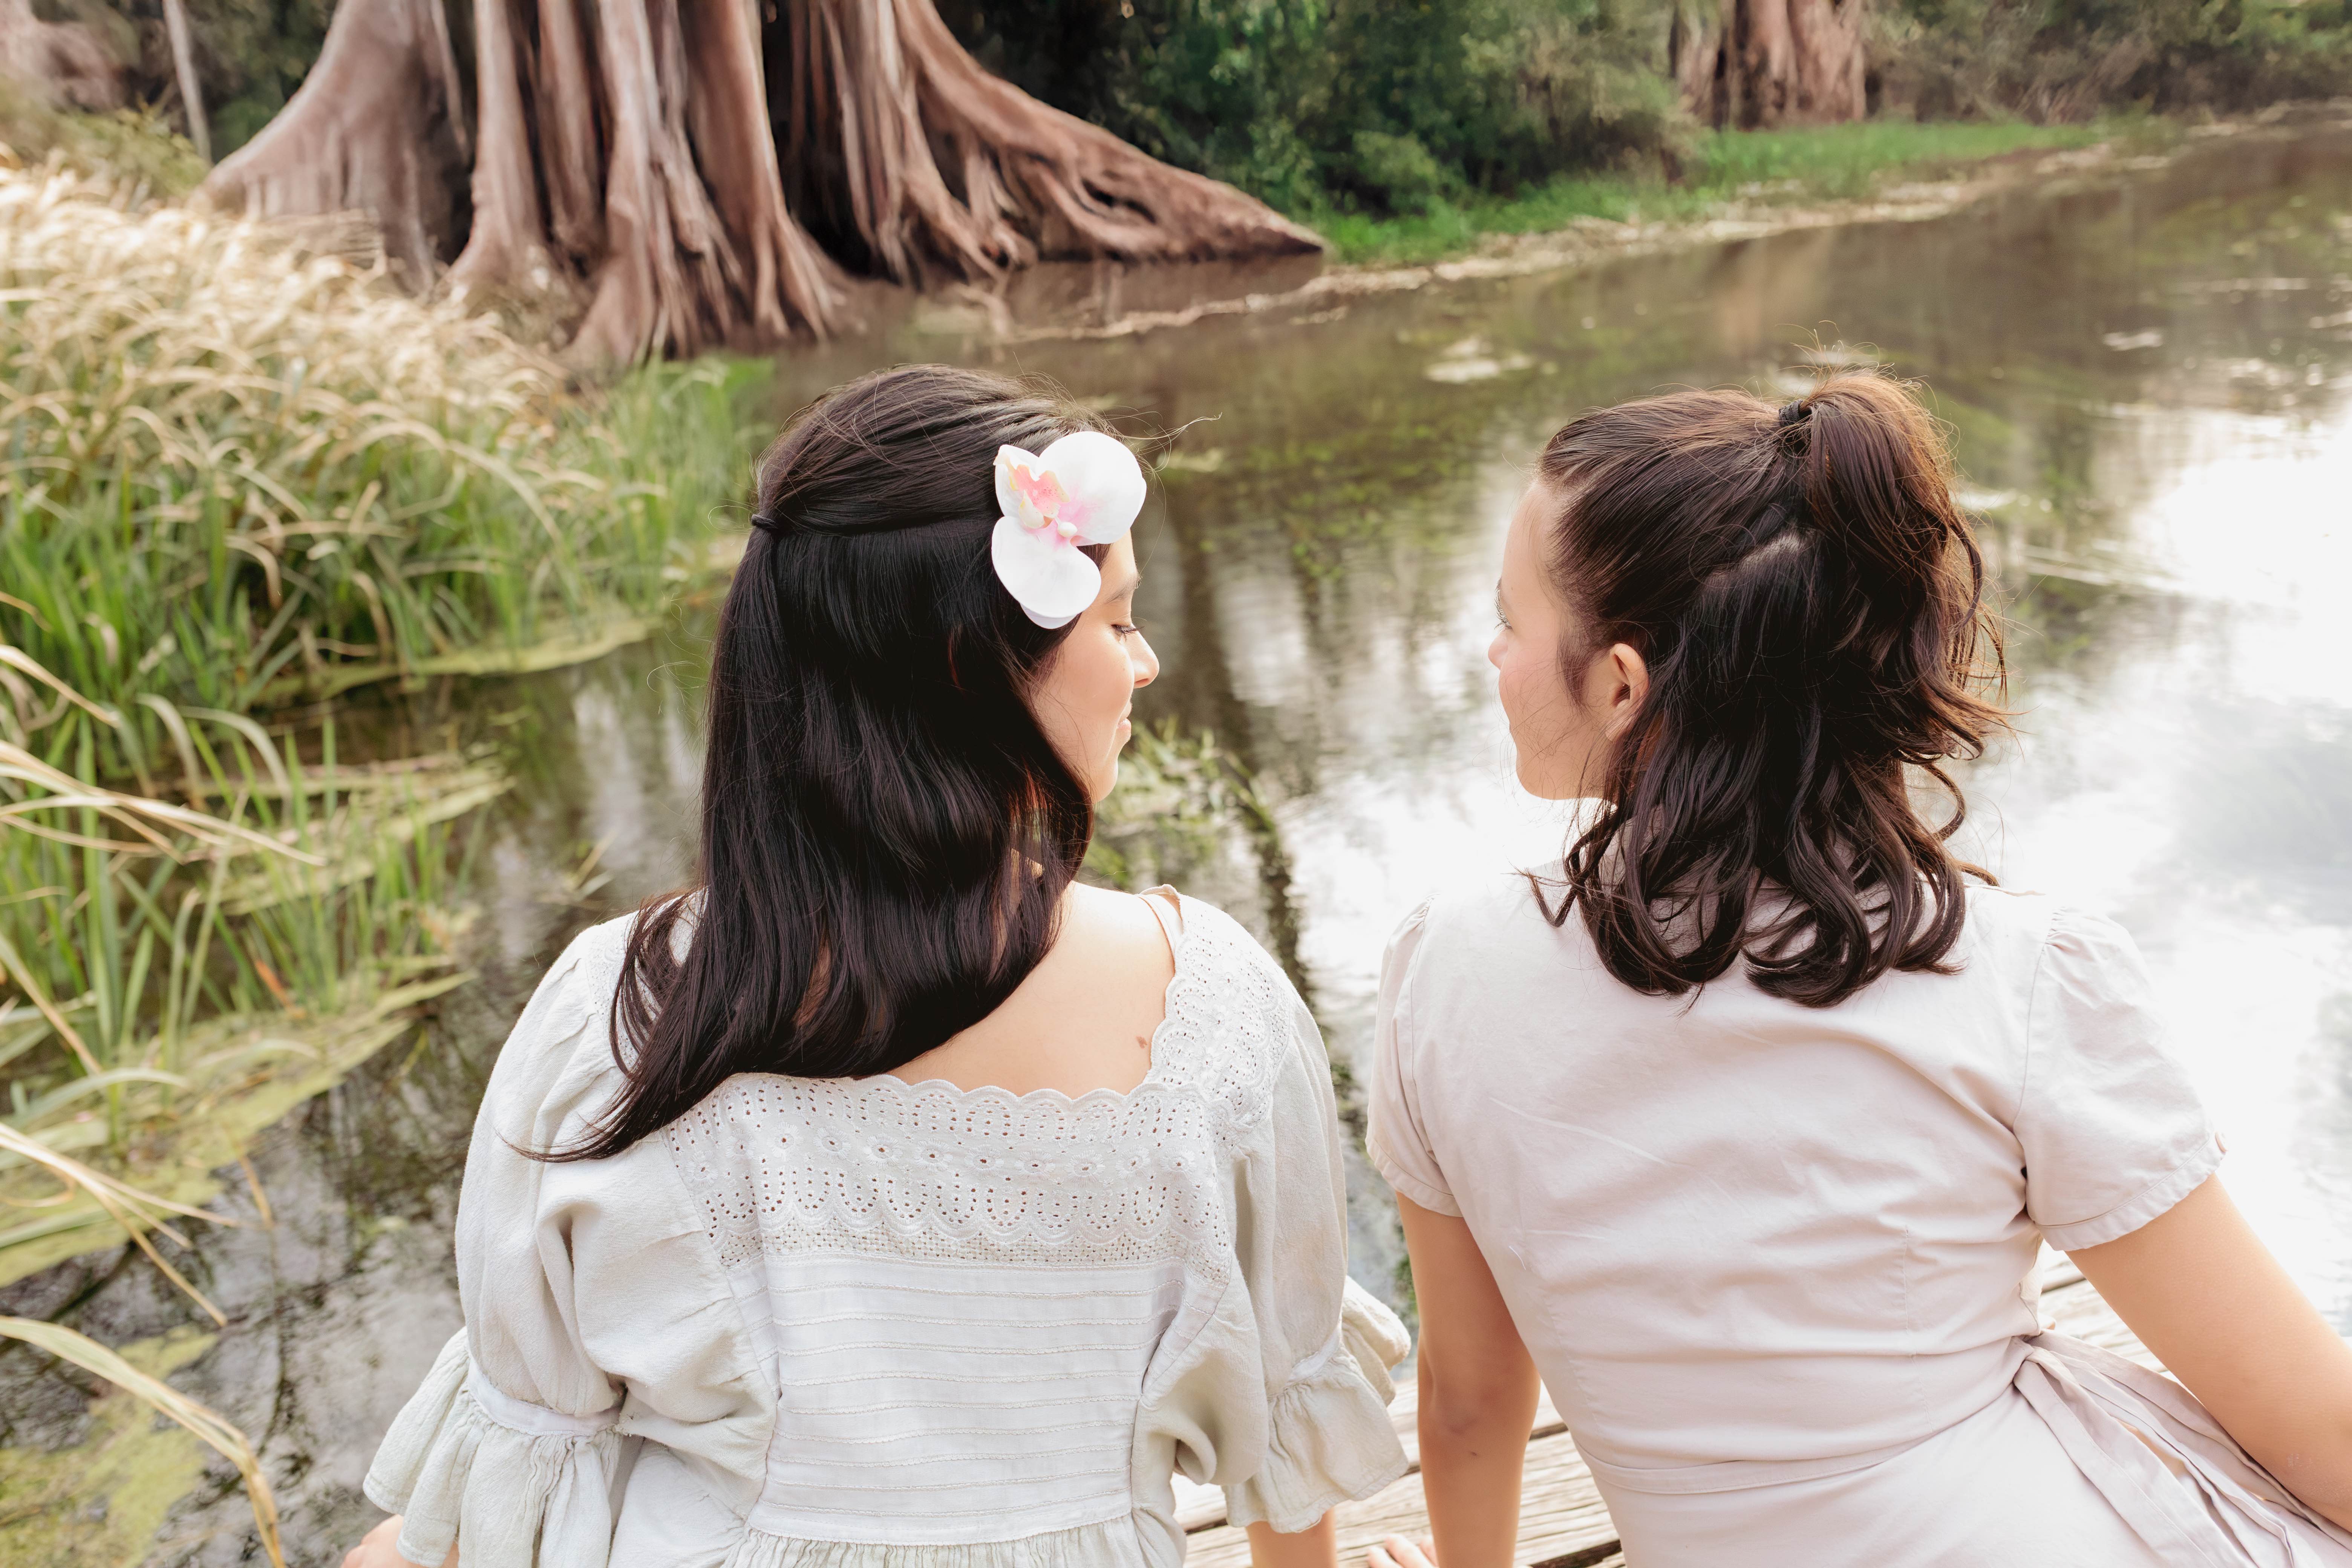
(1777, 1264)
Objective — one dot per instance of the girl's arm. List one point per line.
(2205, 1295)
(1478, 1391)
(1316, 1548)
(378, 1550)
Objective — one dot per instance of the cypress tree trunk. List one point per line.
(380, 126)
(1750, 63)
(658, 159)
(57, 62)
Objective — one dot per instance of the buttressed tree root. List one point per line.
(700, 172)
(56, 61)
(1752, 64)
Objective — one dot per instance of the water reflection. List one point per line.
(2150, 381)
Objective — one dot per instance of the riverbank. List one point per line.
(1727, 169)
(1525, 240)
(240, 476)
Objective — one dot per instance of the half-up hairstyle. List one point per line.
(1809, 601)
(887, 834)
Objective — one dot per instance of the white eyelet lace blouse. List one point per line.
(861, 1324)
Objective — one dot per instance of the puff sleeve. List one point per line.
(2113, 1133)
(1325, 1345)
(1397, 1141)
(595, 1312)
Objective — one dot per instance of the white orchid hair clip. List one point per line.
(1085, 488)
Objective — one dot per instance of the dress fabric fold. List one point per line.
(518, 1497)
(2177, 1479)
(1324, 1445)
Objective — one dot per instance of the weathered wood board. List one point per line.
(1563, 1521)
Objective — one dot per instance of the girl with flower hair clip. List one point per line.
(889, 1198)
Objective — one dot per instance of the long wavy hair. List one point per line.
(1809, 600)
(887, 834)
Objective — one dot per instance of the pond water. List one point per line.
(2149, 373)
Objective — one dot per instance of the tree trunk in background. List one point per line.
(58, 62)
(650, 139)
(1760, 63)
(378, 126)
(649, 156)
(947, 170)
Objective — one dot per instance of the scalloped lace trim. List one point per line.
(784, 1165)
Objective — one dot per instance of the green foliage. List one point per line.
(132, 147)
(2070, 60)
(250, 56)
(1323, 106)
(1839, 162)
(232, 472)
(1181, 802)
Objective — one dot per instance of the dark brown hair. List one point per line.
(1809, 600)
(886, 833)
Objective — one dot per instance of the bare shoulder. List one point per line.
(1121, 931)
(1083, 1019)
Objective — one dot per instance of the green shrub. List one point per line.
(131, 147)
(2071, 59)
(1399, 170)
(1373, 105)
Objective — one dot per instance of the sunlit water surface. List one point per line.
(2150, 381)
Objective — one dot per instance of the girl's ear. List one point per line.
(1628, 676)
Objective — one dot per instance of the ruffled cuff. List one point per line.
(1375, 1336)
(524, 1485)
(1330, 1440)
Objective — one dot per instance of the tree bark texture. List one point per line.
(380, 125)
(57, 62)
(683, 174)
(1752, 64)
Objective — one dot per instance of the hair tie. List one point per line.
(766, 524)
(1790, 413)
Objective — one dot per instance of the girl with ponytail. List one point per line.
(1742, 1121)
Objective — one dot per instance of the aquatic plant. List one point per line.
(235, 468)
(194, 975)
(175, 974)
(1184, 802)
(222, 1434)
(138, 1212)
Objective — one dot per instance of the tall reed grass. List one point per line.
(175, 974)
(235, 470)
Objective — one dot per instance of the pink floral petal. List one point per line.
(1008, 495)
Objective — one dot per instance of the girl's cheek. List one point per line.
(1511, 684)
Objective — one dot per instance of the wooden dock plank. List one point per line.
(1561, 1520)
(1563, 1523)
